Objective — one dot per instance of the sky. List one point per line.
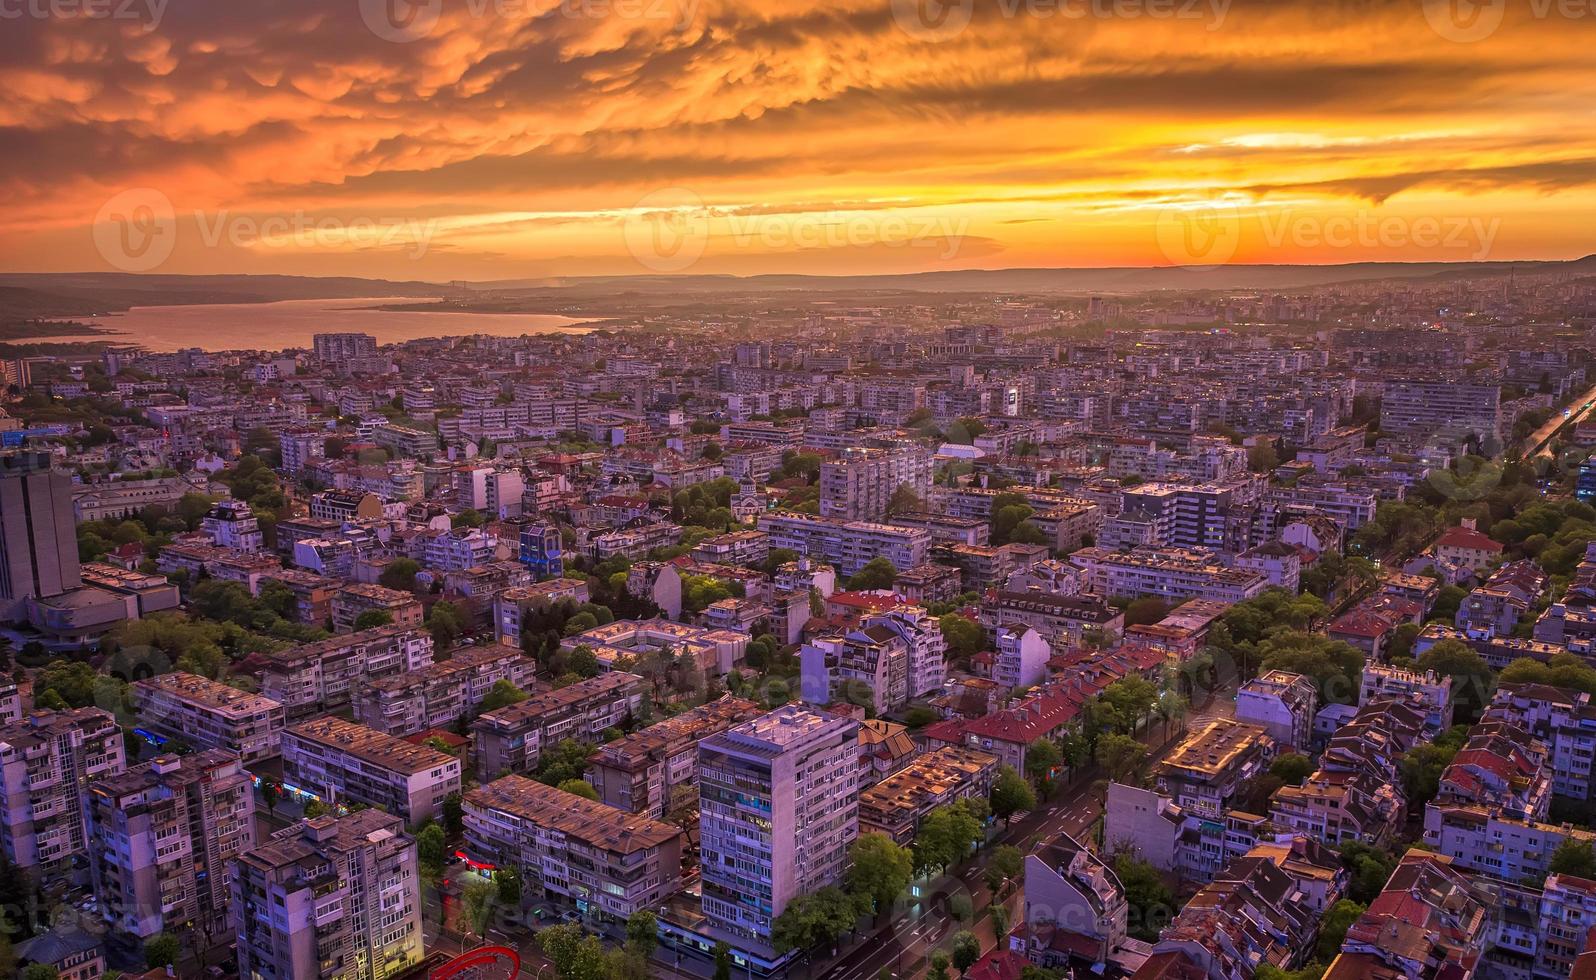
(509, 139)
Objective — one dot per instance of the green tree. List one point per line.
(1291, 768)
(373, 618)
(476, 904)
(880, 871)
(723, 961)
(162, 950)
(642, 933)
(1369, 869)
(33, 971)
(502, 694)
(431, 849)
(400, 575)
(453, 813)
(964, 636)
(575, 956)
(566, 760)
(945, 835)
(1151, 903)
(508, 882)
(1145, 611)
(966, 950)
(1041, 758)
(877, 574)
(1472, 678)
(1122, 757)
(810, 920)
(1333, 928)
(1003, 868)
(1011, 794)
(446, 623)
(579, 787)
(1574, 857)
(939, 963)
(904, 500)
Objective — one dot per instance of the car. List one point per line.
(572, 917)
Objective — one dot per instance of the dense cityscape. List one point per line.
(1218, 636)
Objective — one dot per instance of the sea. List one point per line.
(291, 323)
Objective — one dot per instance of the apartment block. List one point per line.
(1063, 621)
(895, 805)
(1430, 689)
(511, 606)
(1170, 573)
(441, 694)
(316, 677)
(358, 597)
(1214, 764)
(1282, 704)
(333, 897)
(338, 762)
(165, 834)
(1075, 912)
(45, 762)
(601, 859)
(207, 713)
(848, 545)
(1564, 719)
(639, 772)
(778, 811)
(512, 739)
(858, 484)
(1459, 409)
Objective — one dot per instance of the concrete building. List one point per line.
(203, 712)
(639, 772)
(1169, 573)
(1282, 704)
(848, 545)
(895, 805)
(778, 811)
(339, 762)
(511, 606)
(333, 897)
(315, 677)
(1434, 691)
(1214, 764)
(45, 763)
(858, 484)
(1022, 656)
(231, 524)
(512, 739)
(166, 833)
(440, 695)
(38, 538)
(403, 608)
(604, 861)
(1075, 912)
(1063, 621)
(1455, 409)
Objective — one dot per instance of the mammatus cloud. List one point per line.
(527, 136)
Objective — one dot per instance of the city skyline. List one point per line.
(506, 139)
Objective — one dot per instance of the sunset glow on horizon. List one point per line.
(508, 139)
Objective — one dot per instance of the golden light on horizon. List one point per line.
(492, 139)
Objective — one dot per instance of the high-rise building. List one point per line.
(165, 833)
(38, 534)
(859, 484)
(778, 811)
(335, 348)
(231, 524)
(45, 761)
(1456, 411)
(332, 897)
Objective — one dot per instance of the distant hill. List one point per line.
(33, 295)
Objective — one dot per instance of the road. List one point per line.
(1539, 442)
(902, 948)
